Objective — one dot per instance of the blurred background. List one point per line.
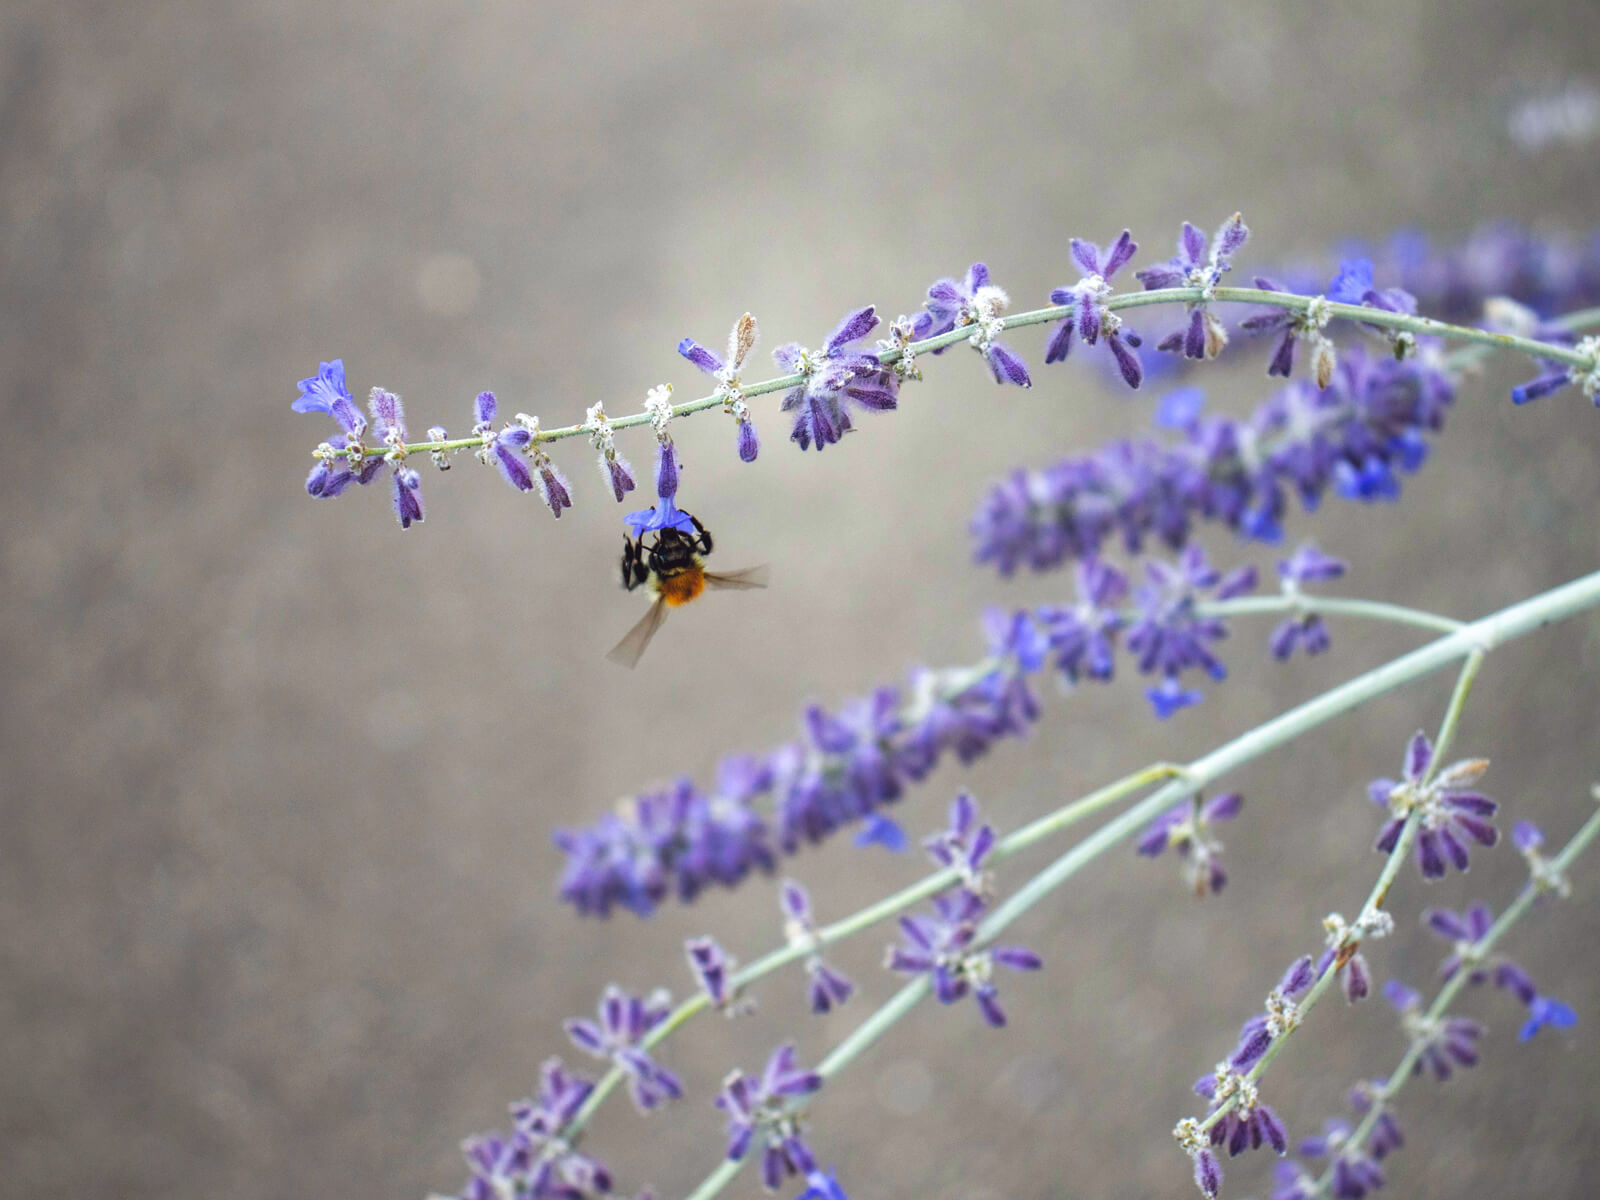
(277, 910)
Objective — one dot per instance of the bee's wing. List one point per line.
(750, 577)
(626, 653)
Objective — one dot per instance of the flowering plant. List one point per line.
(1384, 349)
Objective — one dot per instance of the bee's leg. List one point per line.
(704, 544)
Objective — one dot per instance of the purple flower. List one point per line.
(1089, 317)
(1187, 829)
(1282, 1013)
(881, 830)
(726, 372)
(1465, 931)
(534, 1160)
(624, 1021)
(1083, 638)
(821, 1185)
(1546, 1011)
(1204, 335)
(614, 469)
(1248, 1123)
(1355, 1172)
(1450, 815)
(940, 945)
(713, 969)
(827, 988)
(1443, 1043)
(389, 423)
(1306, 629)
(1170, 636)
(963, 845)
(1386, 1136)
(332, 474)
(764, 1110)
(835, 376)
(325, 392)
(662, 515)
(977, 303)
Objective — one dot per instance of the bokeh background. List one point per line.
(277, 911)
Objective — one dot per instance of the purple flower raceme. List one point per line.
(941, 945)
(978, 303)
(827, 988)
(836, 376)
(1443, 1043)
(1089, 317)
(849, 764)
(1353, 437)
(1249, 1123)
(1450, 814)
(623, 1022)
(1303, 630)
(726, 372)
(1203, 336)
(1187, 829)
(764, 1111)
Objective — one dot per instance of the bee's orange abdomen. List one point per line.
(682, 586)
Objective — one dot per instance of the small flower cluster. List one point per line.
(1204, 335)
(942, 944)
(833, 378)
(978, 303)
(1187, 829)
(624, 1021)
(1353, 437)
(827, 989)
(1451, 816)
(853, 762)
(761, 1109)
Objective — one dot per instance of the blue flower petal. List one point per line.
(1546, 1010)
(880, 830)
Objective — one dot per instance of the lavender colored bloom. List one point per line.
(1304, 630)
(726, 372)
(328, 480)
(881, 830)
(1187, 829)
(662, 515)
(1443, 1043)
(623, 1022)
(1386, 1136)
(1546, 1011)
(534, 1160)
(1369, 425)
(835, 376)
(1465, 932)
(764, 1111)
(1089, 317)
(977, 303)
(713, 970)
(1083, 638)
(1204, 335)
(1207, 1173)
(1356, 1173)
(821, 1185)
(827, 988)
(940, 945)
(963, 845)
(325, 392)
(1169, 635)
(1450, 814)
(1282, 1013)
(1526, 836)
(1248, 1124)
(389, 423)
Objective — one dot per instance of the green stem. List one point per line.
(1447, 994)
(1551, 351)
(1380, 890)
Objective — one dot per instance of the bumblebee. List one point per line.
(670, 564)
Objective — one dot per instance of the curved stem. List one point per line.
(1470, 641)
(1550, 351)
(1514, 912)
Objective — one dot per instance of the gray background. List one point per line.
(276, 884)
